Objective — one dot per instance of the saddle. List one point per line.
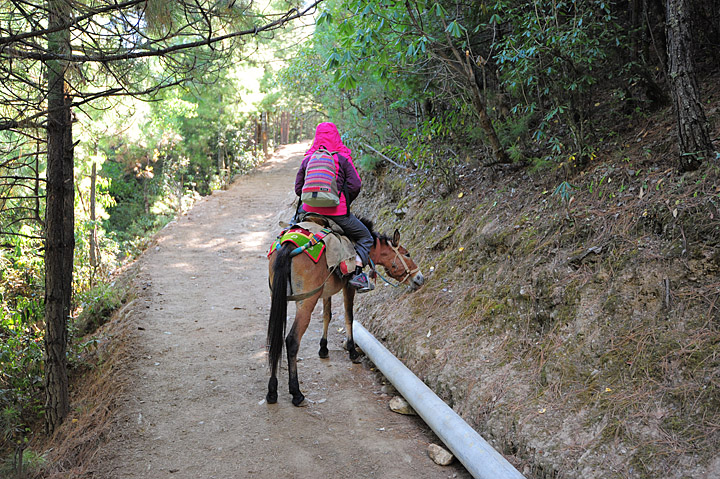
(315, 235)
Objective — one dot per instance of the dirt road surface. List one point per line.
(194, 405)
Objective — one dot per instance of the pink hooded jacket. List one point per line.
(348, 179)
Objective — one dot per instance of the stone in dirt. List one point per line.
(388, 389)
(400, 406)
(440, 455)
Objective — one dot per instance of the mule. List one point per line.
(314, 281)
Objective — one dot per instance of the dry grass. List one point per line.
(97, 390)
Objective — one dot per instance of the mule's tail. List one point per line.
(278, 305)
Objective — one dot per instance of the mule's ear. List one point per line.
(396, 238)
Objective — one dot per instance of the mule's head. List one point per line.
(396, 260)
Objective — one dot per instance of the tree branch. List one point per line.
(27, 178)
(22, 197)
(129, 55)
(42, 33)
(384, 157)
(9, 233)
(8, 163)
(117, 91)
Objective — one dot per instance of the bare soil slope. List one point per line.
(193, 405)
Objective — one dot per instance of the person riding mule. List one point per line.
(348, 188)
(310, 279)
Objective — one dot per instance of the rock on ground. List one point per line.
(440, 455)
(401, 406)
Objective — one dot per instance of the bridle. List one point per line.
(400, 256)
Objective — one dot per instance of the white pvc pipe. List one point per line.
(478, 457)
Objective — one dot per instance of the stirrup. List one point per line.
(361, 283)
(366, 289)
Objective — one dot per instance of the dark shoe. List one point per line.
(361, 283)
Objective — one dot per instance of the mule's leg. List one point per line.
(327, 317)
(349, 296)
(292, 344)
(272, 396)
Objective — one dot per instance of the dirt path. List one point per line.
(195, 405)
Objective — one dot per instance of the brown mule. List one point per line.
(305, 276)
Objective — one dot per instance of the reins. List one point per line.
(372, 265)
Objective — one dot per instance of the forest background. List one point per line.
(115, 117)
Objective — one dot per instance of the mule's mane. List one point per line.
(369, 225)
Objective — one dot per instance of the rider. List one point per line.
(349, 183)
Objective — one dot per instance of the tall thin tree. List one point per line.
(59, 221)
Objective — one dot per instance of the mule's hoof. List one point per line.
(271, 398)
(299, 401)
(324, 353)
(355, 357)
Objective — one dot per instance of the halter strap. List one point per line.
(408, 272)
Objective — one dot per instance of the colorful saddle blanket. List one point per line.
(310, 243)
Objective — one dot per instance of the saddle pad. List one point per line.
(340, 252)
(299, 237)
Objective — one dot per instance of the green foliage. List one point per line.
(31, 462)
(21, 352)
(564, 192)
(350, 71)
(21, 324)
(556, 51)
(367, 162)
(85, 274)
(97, 305)
(21, 372)
(516, 129)
(189, 142)
(542, 164)
(128, 217)
(382, 71)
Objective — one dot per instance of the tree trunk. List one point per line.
(36, 188)
(60, 221)
(258, 137)
(221, 154)
(478, 100)
(264, 134)
(692, 130)
(284, 128)
(94, 249)
(221, 149)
